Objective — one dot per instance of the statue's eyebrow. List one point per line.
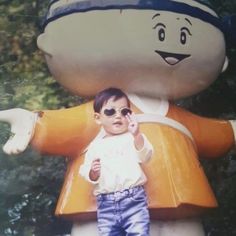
(158, 14)
(188, 21)
(159, 24)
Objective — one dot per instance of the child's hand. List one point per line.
(95, 170)
(133, 126)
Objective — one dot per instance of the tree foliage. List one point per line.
(25, 80)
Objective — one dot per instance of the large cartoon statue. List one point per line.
(155, 50)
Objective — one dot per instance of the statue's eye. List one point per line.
(161, 34)
(183, 38)
(160, 29)
(184, 35)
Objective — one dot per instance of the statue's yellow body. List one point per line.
(176, 187)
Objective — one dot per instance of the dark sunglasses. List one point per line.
(111, 112)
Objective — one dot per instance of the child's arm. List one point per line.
(90, 169)
(95, 170)
(141, 143)
(133, 128)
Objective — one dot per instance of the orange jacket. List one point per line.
(177, 186)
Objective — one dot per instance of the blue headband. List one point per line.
(161, 5)
(227, 25)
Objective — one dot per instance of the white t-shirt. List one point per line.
(120, 163)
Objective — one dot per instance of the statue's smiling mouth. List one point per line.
(172, 58)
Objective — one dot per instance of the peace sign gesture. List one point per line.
(133, 126)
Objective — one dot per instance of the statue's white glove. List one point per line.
(22, 127)
(233, 124)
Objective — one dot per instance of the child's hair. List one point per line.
(102, 97)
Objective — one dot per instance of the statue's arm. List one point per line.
(62, 132)
(213, 137)
(65, 132)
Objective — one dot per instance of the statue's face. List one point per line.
(151, 53)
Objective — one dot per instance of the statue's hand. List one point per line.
(22, 127)
(233, 124)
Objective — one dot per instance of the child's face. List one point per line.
(114, 123)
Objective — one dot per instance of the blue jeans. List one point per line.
(123, 213)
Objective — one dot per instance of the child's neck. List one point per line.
(108, 135)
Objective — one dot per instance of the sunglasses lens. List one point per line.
(125, 111)
(109, 112)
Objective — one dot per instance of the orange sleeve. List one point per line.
(65, 132)
(213, 137)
